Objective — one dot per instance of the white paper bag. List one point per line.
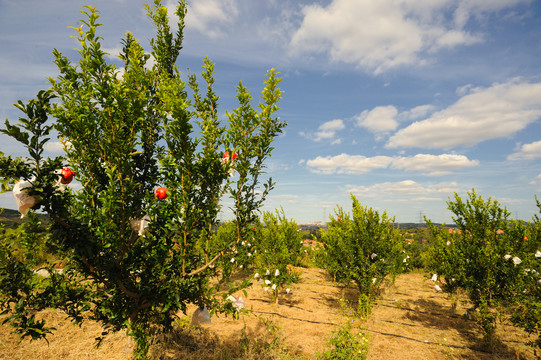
(22, 198)
(140, 225)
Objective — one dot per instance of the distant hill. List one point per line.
(312, 226)
(12, 218)
(8, 213)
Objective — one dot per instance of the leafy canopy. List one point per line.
(125, 132)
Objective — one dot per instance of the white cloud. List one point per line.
(54, 147)
(536, 180)
(527, 152)
(467, 8)
(112, 53)
(483, 114)
(285, 198)
(276, 27)
(369, 34)
(75, 186)
(327, 131)
(417, 112)
(332, 125)
(452, 38)
(385, 34)
(209, 16)
(463, 90)
(380, 119)
(404, 189)
(119, 74)
(416, 200)
(432, 165)
(347, 164)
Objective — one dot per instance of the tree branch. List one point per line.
(126, 291)
(204, 267)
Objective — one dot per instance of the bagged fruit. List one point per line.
(140, 225)
(23, 199)
(201, 316)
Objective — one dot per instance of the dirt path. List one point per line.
(413, 321)
(410, 320)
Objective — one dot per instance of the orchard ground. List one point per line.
(409, 320)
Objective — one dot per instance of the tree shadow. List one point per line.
(283, 300)
(329, 300)
(431, 314)
(289, 300)
(261, 341)
(235, 278)
(343, 298)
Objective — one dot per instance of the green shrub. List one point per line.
(490, 256)
(363, 249)
(525, 308)
(279, 245)
(239, 255)
(346, 344)
(126, 133)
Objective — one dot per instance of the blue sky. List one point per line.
(399, 102)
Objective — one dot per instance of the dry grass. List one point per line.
(412, 321)
(68, 342)
(409, 321)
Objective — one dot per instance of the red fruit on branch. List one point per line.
(67, 175)
(226, 156)
(161, 193)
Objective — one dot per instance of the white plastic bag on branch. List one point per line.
(23, 199)
(238, 302)
(140, 225)
(201, 316)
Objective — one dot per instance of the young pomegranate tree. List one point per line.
(492, 257)
(279, 244)
(525, 310)
(362, 248)
(133, 240)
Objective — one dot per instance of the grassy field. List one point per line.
(409, 320)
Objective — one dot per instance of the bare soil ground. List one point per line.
(409, 320)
